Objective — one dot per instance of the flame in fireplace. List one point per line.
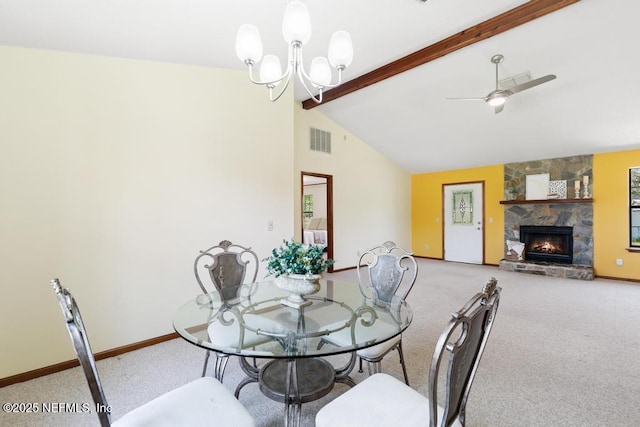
(546, 247)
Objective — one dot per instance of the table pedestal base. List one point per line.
(309, 379)
(296, 381)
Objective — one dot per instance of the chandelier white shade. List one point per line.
(248, 43)
(296, 30)
(296, 24)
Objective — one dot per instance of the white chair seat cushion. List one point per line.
(380, 400)
(203, 402)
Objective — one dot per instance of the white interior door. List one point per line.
(463, 223)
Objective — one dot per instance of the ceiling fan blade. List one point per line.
(532, 83)
(497, 97)
(470, 99)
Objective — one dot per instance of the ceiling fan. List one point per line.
(498, 97)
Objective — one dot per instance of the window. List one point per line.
(463, 205)
(307, 209)
(634, 207)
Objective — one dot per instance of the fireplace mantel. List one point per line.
(547, 201)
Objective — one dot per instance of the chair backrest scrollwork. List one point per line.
(226, 265)
(392, 271)
(461, 345)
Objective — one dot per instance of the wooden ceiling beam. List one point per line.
(517, 16)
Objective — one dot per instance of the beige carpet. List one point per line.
(562, 353)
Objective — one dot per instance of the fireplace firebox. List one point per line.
(547, 243)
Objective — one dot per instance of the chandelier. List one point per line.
(296, 30)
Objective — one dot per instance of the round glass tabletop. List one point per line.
(262, 322)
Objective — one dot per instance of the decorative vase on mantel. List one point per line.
(298, 285)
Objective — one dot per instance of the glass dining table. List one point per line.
(261, 323)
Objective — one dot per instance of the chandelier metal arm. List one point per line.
(272, 84)
(328, 85)
(301, 78)
(284, 87)
(289, 72)
(295, 66)
(250, 64)
(295, 56)
(296, 29)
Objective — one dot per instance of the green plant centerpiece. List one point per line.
(297, 268)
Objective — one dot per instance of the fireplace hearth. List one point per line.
(547, 243)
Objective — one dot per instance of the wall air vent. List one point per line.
(320, 140)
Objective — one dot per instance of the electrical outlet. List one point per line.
(619, 262)
(270, 225)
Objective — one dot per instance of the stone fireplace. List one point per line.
(553, 237)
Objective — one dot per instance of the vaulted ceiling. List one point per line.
(589, 45)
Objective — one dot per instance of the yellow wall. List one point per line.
(426, 210)
(611, 214)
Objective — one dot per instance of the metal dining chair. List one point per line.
(382, 400)
(384, 272)
(227, 267)
(390, 271)
(198, 403)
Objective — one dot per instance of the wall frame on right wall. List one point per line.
(634, 208)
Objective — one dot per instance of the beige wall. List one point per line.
(371, 195)
(113, 174)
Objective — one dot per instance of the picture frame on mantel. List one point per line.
(558, 189)
(537, 186)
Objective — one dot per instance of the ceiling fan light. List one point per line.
(496, 100)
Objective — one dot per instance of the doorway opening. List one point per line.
(317, 211)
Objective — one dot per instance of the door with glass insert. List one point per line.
(464, 222)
